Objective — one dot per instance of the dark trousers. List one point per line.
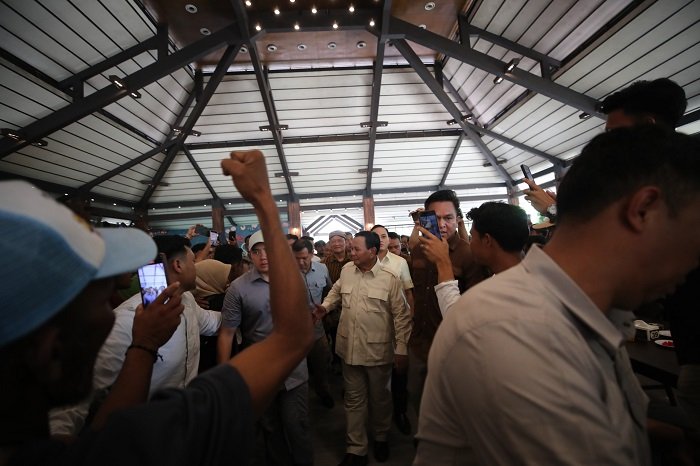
(399, 391)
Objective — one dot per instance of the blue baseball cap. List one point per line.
(50, 255)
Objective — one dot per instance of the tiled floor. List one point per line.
(328, 427)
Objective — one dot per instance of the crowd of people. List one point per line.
(508, 344)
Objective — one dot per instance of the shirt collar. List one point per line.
(607, 326)
(255, 275)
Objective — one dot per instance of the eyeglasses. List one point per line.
(258, 251)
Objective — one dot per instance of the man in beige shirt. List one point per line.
(373, 332)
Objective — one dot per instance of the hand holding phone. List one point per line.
(428, 220)
(213, 237)
(153, 280)
(527, 172)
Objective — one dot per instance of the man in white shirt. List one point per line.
(530, 366)
(178, 360)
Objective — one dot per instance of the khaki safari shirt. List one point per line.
(375, 323)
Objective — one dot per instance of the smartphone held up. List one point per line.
(428, 220)
(153, 280)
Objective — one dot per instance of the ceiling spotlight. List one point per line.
(205, 31)
(362, 44)
(190, 8)
(244, 49)
(314, 10)
(177, 131)
(498, 80)
(451, 122)
(512, 64)
(429, 6)
(335, 25)
(296, 26)
(258, 27)
(248, 3)
(40, 143)
(351, 9)
(271, 47)
(371, 23)
(277, 11)
(584, 116)
(195, 133)
(135, 94)
(301, 47)
(11, 134)
(117, 81)
(291, 1)
(423, 26)
(332, 45)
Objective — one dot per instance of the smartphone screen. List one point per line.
(153, 281)
(527, 172)
(213, 237)
(428, 220)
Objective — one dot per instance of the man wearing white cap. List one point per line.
(55, 315)
(247, 307)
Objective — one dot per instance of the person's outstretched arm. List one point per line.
(265, 365)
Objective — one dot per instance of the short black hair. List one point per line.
(379, 226)
(371, 240)
(394, 235)
(232, 235)
(291, 236)
(301, 244)
(172, 246)
(505, 223)
(617, 163)
(228, 254)
(662, 98)
(405, 236)
(445, 195)
(307, 238)
(320, 244)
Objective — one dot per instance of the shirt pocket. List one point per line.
(379, 346)
(345, 293)
(379, 297)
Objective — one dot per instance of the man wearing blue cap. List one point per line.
(55, 316)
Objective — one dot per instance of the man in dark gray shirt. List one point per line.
(247, 307)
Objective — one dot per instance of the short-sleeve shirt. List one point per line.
(209, 422)
(527, 370)
(317, 280)
(247, 307)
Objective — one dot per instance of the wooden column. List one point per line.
(217, 216)
(294, 217)
(368, 209)
(140, 219)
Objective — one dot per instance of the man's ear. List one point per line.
(641, 208)
(176, 264)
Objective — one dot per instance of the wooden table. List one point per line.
(653, 361)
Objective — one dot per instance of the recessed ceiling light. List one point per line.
(190, 8)
(351, 9)
(296, 26)
(335, 25)
(271, 47)
(291, 1)
(314, 10)
(301, 47)
(258, 27)
(429, 6)
(277, 11)
(244, 49)
(371, 23)
(423, 26)
(205, 31)
(332, 45)
(362, 44)
(248, 3)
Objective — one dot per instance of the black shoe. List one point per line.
(381, 451)
(401, 421)
(353, 460)
(326, 400)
